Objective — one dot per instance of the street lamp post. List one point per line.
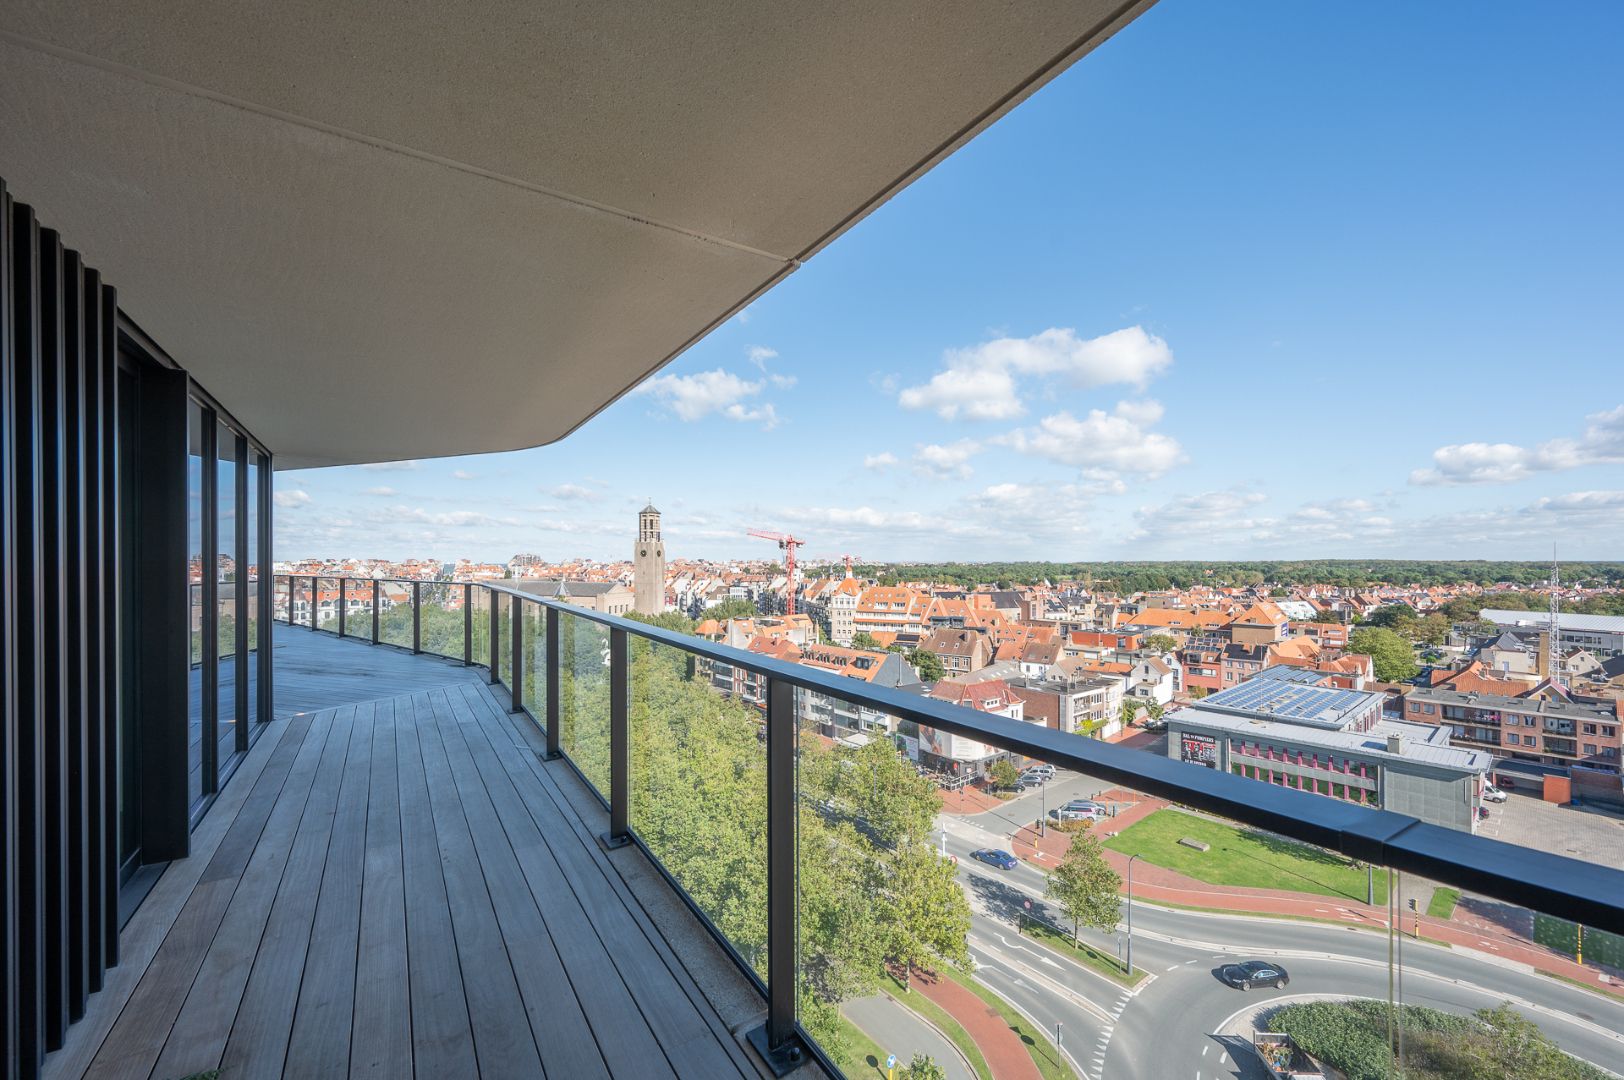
(1043, 808)
(1131, 858)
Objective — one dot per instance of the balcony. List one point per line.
(395, 880)
(473, 871)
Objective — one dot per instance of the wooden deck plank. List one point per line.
(198, 1038)
(322, 1019)
(382, 1043)
(393, 885)
(442, 1037)
(671, 1004)
(146, 930)
(139, 1033)
(258, 1041)
(502, 1038)
(566, 1039)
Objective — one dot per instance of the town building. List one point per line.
(648, 564)
(956, 755)
(1601, 634)
(1286, 729)
(961, 651)
(606, 597)
(1545, 730)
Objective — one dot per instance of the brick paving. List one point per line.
(1006, 1055)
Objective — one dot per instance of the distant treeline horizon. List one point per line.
(1147, 576)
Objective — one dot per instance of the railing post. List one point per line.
(343, 603)
(619, 835)
(553, 752)
(777, 1039)
(467, 623)
(315, 603)
(377, 608)
(516, 664)
(496, 634)
(417, 616)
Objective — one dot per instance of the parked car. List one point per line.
(1493, 794)
(1153, 723)
(1250, 973)
(994, 857)
(1080, 810)
(1043, 769)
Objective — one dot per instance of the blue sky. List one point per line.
(1251, 280)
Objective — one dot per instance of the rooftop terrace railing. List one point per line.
(630, 705)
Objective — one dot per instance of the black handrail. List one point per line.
(1583, 892)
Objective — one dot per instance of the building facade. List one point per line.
(648, 564)
(1335, 743)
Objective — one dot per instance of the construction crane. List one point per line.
(787, 544)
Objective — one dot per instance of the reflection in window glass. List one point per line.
(226, 567)
(194, 579)
(250, 620)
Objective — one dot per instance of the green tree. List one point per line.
(1433, 629)
(864, 640)
(1162, 643)
(1004, 773)
(927, 665)
(1333, 618)
(1391, 655)
(730, 609)
(665, 620)
(922, 1067)
(1085, 885)
(926, 916)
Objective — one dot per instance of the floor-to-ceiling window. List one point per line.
(196, 509)
(228, 561)
(251, 572)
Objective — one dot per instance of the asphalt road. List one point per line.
(904, 1033)
(1164, 1027)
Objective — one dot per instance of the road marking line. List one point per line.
(1223, 1058)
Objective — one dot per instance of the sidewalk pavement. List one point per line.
(1157, 883)
(968, 800)
(1006, 1055)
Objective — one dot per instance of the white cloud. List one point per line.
(944, 462)
(783, 382)
(385, 491)
(394, 466)
(1115, 442)
(291, 498)
(574, 493)
(979, 383)
(455, 518)
(1199, 517)
(966, 394)
(461, 474)
(880, 462)
(760, 354)
(1502, 463)
(693, 397)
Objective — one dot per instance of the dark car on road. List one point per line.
(994, 857)
(1250, 973)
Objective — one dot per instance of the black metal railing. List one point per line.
(499, 626)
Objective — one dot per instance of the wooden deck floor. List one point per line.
(393, 884)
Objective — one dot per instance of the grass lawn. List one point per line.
(1060, 942)
(1442, 904)
(859, 1057)
(1245, 857)
(948, 1026)
(1045, 1055)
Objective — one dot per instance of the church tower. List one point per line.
(648, 564)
